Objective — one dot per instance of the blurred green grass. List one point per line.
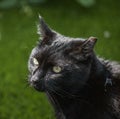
(18, 36)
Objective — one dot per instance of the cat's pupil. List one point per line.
(57, 69)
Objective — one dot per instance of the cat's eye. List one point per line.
(35, 61)
(57, 69)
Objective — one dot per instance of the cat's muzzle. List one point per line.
(38, 84)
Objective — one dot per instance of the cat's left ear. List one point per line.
(46, 34)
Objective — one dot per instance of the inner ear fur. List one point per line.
(88, 46)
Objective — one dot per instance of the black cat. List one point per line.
(78, 83)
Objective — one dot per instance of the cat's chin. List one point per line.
(38, 87)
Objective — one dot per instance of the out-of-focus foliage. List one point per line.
(5, 4)
(86, 3)
(37, 1)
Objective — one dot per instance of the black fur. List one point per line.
(86, 88)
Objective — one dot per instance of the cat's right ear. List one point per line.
(81, 50)
(46, 34)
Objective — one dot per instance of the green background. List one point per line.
(18, 36)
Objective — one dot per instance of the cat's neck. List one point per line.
(94, 103)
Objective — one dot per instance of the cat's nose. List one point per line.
(37, 83)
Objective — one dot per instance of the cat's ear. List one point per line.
(81, 50)
(88, 46)
(46, 34)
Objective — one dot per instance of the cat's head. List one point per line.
(58, 63)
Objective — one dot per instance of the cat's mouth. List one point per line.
(38, 85)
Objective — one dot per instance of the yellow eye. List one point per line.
(57, 69)
(35, 62)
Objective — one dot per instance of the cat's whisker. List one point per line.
(79, 98)
(26, 82)
(54, 91)
(54, 101)
(61, 92)
(64, 93)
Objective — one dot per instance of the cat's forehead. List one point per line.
(55, 50)
(46, 53)
(63, 40)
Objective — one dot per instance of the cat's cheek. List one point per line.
(53, 76)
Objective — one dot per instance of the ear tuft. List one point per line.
(92, 39)
(88, 46)
(45, 32)
(90, 42)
